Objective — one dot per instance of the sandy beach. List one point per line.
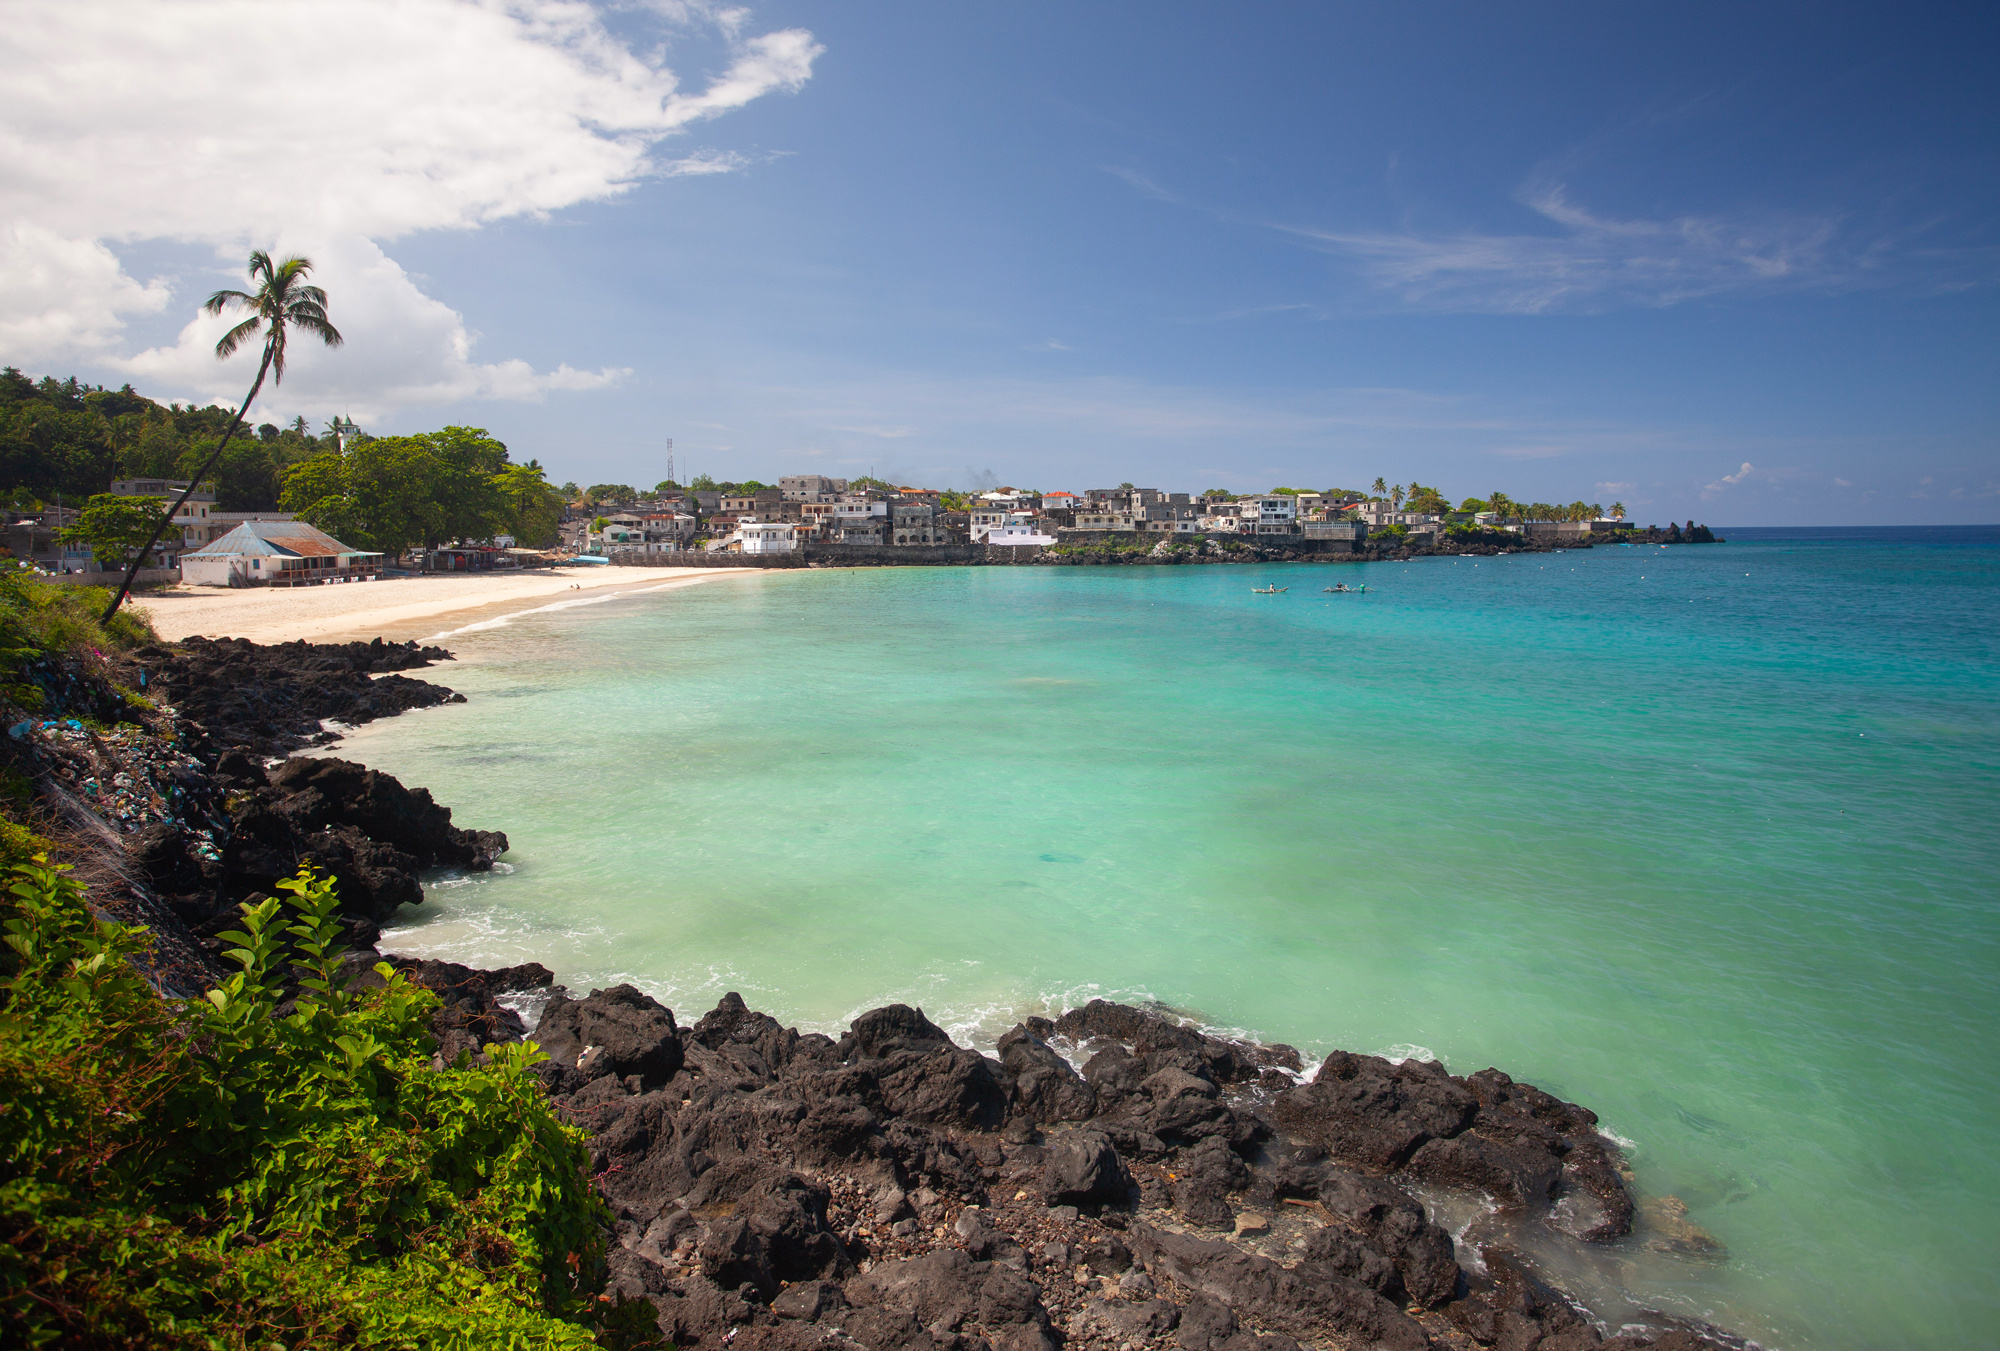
(397, 607)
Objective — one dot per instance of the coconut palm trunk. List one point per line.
(139, 561)
(282, 301)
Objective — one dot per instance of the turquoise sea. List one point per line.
(1705, 838)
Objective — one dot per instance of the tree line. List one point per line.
(63, 440)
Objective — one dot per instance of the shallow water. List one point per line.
(1702, 837)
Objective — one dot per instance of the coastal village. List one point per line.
(836, 520)
(814, 509)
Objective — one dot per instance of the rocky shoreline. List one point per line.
(1110, 1180)
(892, 1189)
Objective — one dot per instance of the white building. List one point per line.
(986, 519)
(1277, 507)
(1019, 533)
(767, 537)
(277, 553)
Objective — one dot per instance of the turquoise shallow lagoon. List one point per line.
(1702, 837)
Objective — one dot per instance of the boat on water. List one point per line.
(1268, 590)
(1345, 590)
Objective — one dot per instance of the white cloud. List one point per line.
(402, 348)
(40, 271)
(1616, 487)
(1589, 261)
(329, 124)
(1714, 490)
(1842, 483)
(1582, 261)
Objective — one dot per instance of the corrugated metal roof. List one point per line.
(274, 539)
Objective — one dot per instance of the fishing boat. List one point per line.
(1268, 590)
(1345, 590)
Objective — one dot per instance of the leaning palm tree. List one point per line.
(1381, 487)
(282, 301)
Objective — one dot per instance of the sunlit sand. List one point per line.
(402, 607)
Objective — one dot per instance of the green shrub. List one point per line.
(242, 1171)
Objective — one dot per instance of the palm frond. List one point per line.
(318, 327)
(237, 336)
(222, 300)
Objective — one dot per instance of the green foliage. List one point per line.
(1429, 501)
(1219, 494)
(1473, 504)
(1394, 533)
(114, 527)
(41, 619)
(249, 1170)
(74, 439)
(610, 492)
(391, 492)
(702, 484)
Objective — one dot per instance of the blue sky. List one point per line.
(1735, 263)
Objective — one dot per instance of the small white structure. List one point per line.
(988, 524)
(277, 553)
(768, 537)
(1016, 534)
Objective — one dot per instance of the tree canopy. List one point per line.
(392, 492)
(114, 527)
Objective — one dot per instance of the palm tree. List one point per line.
(1396, 496)
(1617, 511)
(1381, 487)
(299, 425)
(282, 301)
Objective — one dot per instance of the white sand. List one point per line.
(403, 607)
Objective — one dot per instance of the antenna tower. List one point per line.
(670, 461)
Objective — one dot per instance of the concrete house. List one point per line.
(277, 553)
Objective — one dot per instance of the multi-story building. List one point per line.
(763, 501)
(914, 523)
(191, 519)
(810, 487)
(768, 537)
(1095, 518)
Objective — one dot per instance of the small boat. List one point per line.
(1268, 590)
(1345, 590)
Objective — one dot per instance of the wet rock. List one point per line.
(1512, 1309)
(1046, 1086)
(946, 1088)
(886, 1031)
(1394, 1224)
(618, 1032)
(470, 1017)
(1367, 1110)
(1204, 1177)
(1516, 1178)
(1083, 1169)
(271, 700)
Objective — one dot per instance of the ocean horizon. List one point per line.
(1696, 836)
